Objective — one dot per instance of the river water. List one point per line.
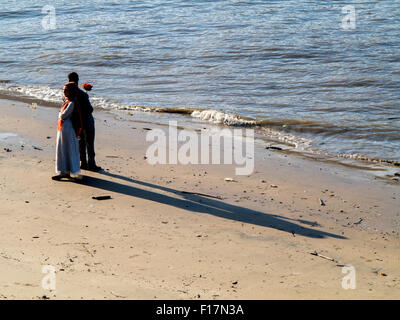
(289, 67)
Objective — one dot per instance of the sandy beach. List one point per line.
(253, 239)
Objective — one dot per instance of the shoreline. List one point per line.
(154, 241)
(190, 115)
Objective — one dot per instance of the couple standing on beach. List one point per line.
(75, 120)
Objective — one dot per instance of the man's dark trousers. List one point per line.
(86, 142)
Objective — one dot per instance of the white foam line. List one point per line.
(219, 117)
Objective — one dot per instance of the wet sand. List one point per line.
(152, 240)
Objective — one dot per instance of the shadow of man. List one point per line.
(203, 204)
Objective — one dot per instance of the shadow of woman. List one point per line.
(202, 204)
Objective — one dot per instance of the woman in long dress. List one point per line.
(67, 149)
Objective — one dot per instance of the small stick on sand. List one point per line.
(69, 243)
(87, 250)
(315, 253)
(116, 295)
(202, 194)
(102, 198)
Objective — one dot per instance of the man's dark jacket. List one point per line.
(85, 106)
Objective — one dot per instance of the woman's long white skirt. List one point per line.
(67, 150)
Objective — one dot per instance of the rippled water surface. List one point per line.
(288, 64)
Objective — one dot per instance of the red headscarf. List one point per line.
(71, 92)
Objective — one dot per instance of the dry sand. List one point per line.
(151, 241)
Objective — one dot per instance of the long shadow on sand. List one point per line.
(197, 203)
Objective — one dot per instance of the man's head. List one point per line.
(73, 77)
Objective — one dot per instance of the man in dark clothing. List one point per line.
(86, 142)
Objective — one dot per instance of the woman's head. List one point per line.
(70, 90)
